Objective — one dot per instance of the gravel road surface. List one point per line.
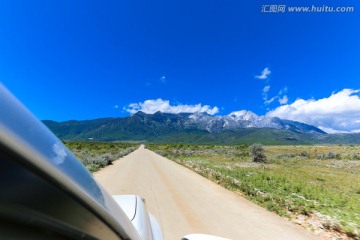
(184, 202)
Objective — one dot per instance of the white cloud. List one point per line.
(152, 106)
(266, 89)
(163, 79)
(283, 100)
(283, 91)
(270, 100)
(116, 106)
(265, 93)
(338, 113)
(264, 74)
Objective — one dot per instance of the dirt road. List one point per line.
(184, 202)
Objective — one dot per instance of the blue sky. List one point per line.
(91, 59)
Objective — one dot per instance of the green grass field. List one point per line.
(96, 155)
(315, 182)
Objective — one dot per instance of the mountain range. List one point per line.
(235, 128)
(244, 119)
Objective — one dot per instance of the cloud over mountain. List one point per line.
(151, 106)
(337, 113)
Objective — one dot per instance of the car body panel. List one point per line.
(42, 153)
(127, 204)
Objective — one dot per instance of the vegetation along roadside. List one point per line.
(96, 155)
(317, 187)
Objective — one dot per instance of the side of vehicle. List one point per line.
(45, 188)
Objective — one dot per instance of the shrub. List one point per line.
(355, 156)
(305, 154)
(286, 156)
(96, 155)
(257, 153)
(329, 155)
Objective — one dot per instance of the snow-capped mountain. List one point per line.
(191, 127)
(245, 119)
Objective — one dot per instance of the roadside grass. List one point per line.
(322, 182)
(96, 155)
